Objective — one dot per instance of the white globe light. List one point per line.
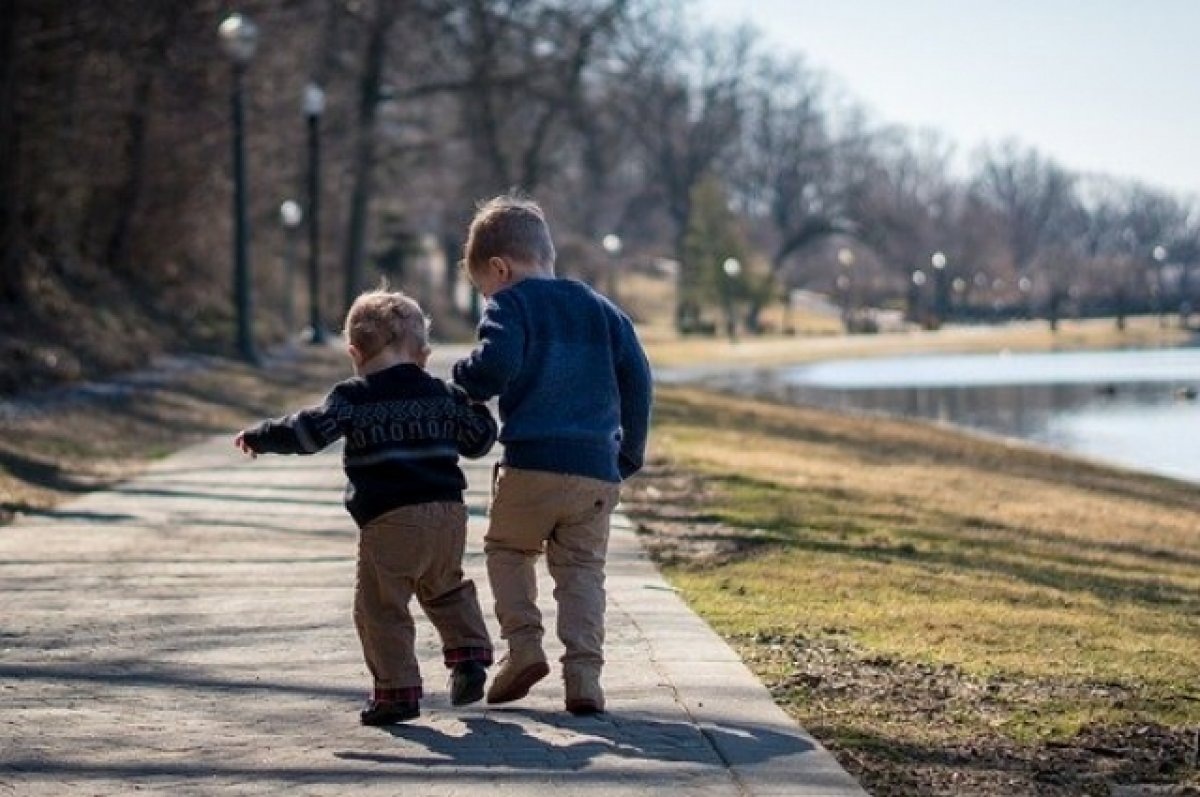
(239, 37)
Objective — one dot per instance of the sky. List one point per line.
(1100, 86)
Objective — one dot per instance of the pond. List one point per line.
(1137, 408)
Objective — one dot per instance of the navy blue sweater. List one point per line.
(573, 380)
(404, 430)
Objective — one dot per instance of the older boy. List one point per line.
(575, 390)
(404, 430)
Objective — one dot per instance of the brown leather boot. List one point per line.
(519, 671)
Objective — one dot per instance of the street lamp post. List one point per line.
(612, 245)
(1160, 259)
(938, 261)
(845, 259)
(290, 216)
(314, 106)
(239, 38)
(732, 269)
(1025, 288)
(914, 295)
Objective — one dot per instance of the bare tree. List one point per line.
(685, 108)
(1035, 199)
(370, 82)
(11, 278)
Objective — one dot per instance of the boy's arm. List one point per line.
(487, 371)
(477, 430)
(304, 432)
(635, 382)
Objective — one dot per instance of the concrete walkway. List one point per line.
(190, 633)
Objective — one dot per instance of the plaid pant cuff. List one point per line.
(403, 694)
(459, 655)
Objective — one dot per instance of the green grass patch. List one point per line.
(1072, 594)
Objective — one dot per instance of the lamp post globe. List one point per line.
(290, 214)
(239, 38)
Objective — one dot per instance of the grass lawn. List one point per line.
(912, 593)
(951, 615)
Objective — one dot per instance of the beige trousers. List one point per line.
(415, 550)
(567, 517)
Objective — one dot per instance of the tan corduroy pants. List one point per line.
(414, 550)
(567, 517)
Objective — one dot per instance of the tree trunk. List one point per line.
(364, 149)
(10, 256)
(129, 195)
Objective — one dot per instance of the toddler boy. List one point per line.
(575, 392)
(404, 430)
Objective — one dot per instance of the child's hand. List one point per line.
(240, 442)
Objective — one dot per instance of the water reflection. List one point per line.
(1132, 408)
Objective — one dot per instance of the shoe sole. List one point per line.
(471, 692)
(584, 708)
(388, 719)
(521, 685)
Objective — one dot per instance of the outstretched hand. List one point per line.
(240, 442)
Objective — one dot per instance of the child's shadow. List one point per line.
(572, 743)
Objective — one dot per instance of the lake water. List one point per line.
(1133, 408)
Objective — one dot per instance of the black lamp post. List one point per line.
(239, 37)
(844, 284)
(732, 269)
(612, 245)
(914, 296)
(314, 106)
(290, 216)
(940, 303)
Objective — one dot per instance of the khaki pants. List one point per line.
(416, 550)
(568, 517)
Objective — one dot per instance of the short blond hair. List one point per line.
(509, 226)
(381, 318)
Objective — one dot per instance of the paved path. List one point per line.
(189, 633)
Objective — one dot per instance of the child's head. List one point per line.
(508, 240)
(386, 322)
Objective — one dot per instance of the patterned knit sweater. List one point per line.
(573, 380)
(404, 430)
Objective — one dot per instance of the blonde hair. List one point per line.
(509, 226)
(381, 318)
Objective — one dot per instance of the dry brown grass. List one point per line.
(60, 443)
(667, 349)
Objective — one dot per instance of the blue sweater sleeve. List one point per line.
(635, 383)
(487, 371)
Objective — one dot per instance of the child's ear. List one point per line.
(502, 268)
(355, 354)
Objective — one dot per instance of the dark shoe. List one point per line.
(583, 707)
(466, 684)
(389, 712)
(517, 676)
(584, 693)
